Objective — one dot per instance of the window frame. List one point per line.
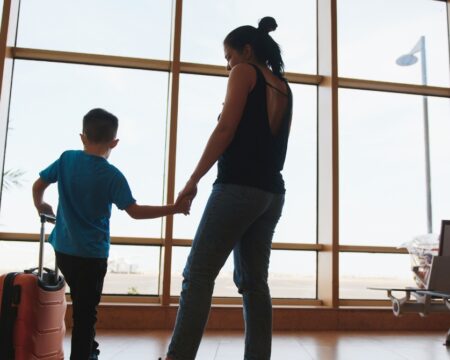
(328, 84)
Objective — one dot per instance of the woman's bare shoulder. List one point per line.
(244, 73)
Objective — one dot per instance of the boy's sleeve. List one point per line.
(121, 192)
(50, 174)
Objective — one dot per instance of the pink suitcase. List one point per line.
(33, 305)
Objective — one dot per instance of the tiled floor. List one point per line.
(327, 345)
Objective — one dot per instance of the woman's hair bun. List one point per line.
(267, 24)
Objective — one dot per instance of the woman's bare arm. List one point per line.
(241, 81)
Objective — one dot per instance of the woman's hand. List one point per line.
(189, 190)
(182, 205)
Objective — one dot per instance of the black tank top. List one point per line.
(255, 157)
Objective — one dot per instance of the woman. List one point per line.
(249, 143)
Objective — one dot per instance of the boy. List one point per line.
(88, 186)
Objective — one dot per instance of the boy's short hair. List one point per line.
(100, 126)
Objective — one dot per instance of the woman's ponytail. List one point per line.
(271, 51)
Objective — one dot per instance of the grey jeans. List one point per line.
(241, 219)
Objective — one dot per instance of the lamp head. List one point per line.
(406, 60)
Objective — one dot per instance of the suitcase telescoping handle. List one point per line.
(44, 218)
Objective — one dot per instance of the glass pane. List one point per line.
(21, 255)
(359, 271)
(439, 115)
(372, 35)
(206, 23)
(292, 274)
(224, 285)
(383, 187)
(298, 222)
(133, 270)
(198, 111)
(47, 106)
(110, 27)
(200, 103)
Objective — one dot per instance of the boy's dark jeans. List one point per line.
(85, 278)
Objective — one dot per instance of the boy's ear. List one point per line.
(83, 139)
(113, 143)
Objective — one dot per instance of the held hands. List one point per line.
(182, 205)
(186, 196)
(189, 190)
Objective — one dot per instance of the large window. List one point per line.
(392, 151)
(159, 66)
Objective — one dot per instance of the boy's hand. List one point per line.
(45, 208)
(183, 205)
(42, 207)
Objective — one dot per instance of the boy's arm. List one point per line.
(150, 212)
(42, 207)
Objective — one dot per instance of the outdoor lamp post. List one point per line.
(411, 59)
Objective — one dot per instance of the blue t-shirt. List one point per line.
(88, 185)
